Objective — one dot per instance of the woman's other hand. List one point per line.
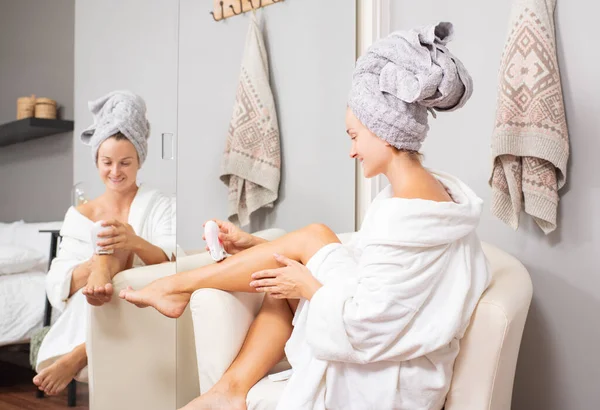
(118, 236)
(292, 281)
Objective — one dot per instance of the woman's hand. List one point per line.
(234, 240)
(118, 236)
(292, 281)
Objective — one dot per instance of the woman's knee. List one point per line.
(315, 236)
(320, 230)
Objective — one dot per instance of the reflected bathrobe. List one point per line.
(383, 331)
(152, 216)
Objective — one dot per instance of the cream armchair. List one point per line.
(484, 370)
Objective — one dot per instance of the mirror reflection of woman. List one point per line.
(139, 229)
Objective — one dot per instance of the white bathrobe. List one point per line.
(383, 332)
(152, 216)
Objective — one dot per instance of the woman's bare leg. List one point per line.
(261, 350)
(170, 295)
(55, 378)
(99, 288)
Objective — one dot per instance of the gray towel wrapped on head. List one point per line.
(118, 111)
(403, 76)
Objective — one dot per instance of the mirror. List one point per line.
(80, 52)
(58, 186)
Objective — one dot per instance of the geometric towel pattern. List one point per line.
(251, 163)
(530, 142)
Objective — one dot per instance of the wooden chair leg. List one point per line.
(72, 394)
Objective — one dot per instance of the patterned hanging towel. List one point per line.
(530, 142)
(252, 160)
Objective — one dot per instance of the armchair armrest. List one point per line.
(221, 321)
(132, 352)
(139, 358)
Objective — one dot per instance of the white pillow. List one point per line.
(8, 231)
(28, 235)
(18, 259)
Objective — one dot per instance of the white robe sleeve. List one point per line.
(164, 225)
(368, 317)
(58, 279)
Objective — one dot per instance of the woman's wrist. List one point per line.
(256, 241)
(149, 253)
(138, 245)
(312, 286)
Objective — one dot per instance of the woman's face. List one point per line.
(374, 153)
(118, 164)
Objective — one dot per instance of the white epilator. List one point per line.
(215, 247)
(96, 229)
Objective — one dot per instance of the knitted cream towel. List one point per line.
(530, 142)
(252, 162)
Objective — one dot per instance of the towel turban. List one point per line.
(401, 77)
(118, 111)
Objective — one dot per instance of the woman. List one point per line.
(139, 230)
(379, 320)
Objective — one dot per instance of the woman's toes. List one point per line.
(123, 292)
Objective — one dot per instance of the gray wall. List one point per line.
(558, 366)
(127, 45)
(311, 46)
(36, 57)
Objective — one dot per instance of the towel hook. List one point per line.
(259, 4)
(233, 9)
(222, 14)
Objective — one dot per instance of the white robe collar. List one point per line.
(395, 220)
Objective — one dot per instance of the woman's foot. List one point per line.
(217, 400)
(160, 295)
(99, 288)
(56, 377)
